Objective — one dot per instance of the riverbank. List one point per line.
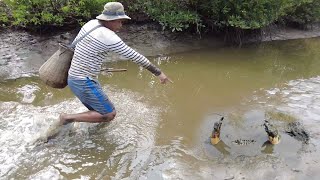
(278, 33)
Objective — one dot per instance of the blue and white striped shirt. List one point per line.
(92, 50)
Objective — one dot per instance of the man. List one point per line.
(90, 51)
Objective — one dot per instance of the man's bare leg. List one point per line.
(89, 116)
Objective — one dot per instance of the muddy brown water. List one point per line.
(162, 131)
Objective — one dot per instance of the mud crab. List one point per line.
(215, 136)
(273, 133)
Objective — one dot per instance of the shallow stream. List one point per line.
(162, 131)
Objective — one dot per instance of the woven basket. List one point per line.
(54, 72)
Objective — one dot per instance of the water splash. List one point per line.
(127, 141)
(28, 93)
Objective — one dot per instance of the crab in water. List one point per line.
(215, 136)
(273, 133)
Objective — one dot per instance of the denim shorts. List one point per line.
(91, 95)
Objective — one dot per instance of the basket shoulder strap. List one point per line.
(73, 45)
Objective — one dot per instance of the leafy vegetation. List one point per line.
(174, 15)
(247, 14)
(3, 15)
(37, 13)
(306, 13)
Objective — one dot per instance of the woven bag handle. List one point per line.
(73, 45)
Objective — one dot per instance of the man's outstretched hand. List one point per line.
(164, 79)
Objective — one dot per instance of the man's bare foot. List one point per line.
(63, 119)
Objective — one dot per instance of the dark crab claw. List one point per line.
(217, 126)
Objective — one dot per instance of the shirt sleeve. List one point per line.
(124, 50)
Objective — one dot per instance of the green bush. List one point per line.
(3, 13)
(306, 13)
(246, 14)
(37, 13)
(174, 15)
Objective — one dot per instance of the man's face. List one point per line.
(115, 25)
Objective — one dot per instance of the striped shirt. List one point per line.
(93, 49)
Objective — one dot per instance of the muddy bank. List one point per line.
(22, 53)
(276, 33)
(292, 33)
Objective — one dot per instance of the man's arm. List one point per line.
(122, 49)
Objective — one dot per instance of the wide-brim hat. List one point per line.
(113, 11)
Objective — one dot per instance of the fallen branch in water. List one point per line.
(113, 70)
